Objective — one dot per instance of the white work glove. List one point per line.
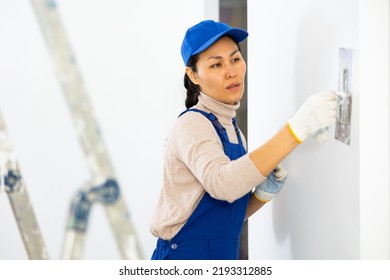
(266, 190)
(316, 114)
(321, 135)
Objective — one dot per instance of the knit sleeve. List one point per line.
(198, 146)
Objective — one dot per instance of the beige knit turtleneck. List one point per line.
(195, 162)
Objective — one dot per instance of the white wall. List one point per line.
(129, 56)
(374, 36)
(293, 53)
(335, 204)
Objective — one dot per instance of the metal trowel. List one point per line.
(344, 97)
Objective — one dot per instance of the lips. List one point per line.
(233, 86)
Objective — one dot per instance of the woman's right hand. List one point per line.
(317, 113)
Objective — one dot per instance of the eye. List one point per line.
(236, 59)
(216, 65)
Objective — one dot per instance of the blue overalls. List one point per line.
(214, 228)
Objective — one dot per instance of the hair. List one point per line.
(193, 90)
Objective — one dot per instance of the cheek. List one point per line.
(207, 80)
(243, 70)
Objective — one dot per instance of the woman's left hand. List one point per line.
(274, 182)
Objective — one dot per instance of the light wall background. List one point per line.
(129, 56)
(335, 205)
(297, 42)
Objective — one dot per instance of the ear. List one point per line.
(192, 75)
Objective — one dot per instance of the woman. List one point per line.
(209, 177)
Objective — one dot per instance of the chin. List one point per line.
(235, 100)
(232, 102)
(232, 98)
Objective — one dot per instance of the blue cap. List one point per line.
(202, 35)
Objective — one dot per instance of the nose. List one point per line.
(230, 72)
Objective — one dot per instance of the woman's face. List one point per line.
(220, 72)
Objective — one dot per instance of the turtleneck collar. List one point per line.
(224, 112)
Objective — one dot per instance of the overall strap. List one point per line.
(237, 131)
(217, 125)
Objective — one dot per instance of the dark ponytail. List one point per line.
(193, 90)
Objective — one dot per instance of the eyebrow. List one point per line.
(220, 57)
